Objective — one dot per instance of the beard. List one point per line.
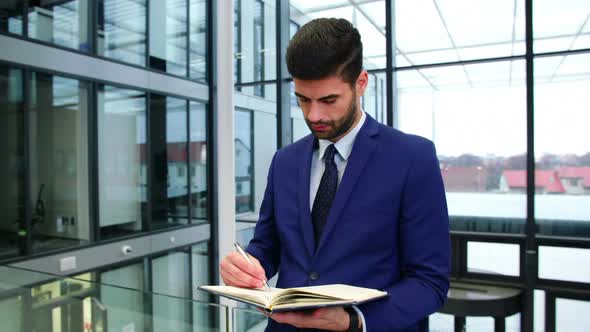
(338, 127)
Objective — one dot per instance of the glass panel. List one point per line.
(438, 322)
(11, 16)
(375, 99)
(198, 40)
(169, 148)
(462, 109)
(200, 259)
(58, 147)
(539, 310)
(12, 200)
(567, 264)
(248, 320)
(131, 277)
(562, 145)
(244, 160)
(121, 31)
(493, 258)
(122, 161)
(368, 18)
(168, 36)
(569, 315)
(54, 303)
(170, 275)
(63, 23)
(198, 162)
(450, 30)
(255, 43)
(561, 25)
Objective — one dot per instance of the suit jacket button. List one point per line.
(314, 276)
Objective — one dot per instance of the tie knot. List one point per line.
(330, 152)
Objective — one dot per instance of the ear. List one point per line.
(361, 83)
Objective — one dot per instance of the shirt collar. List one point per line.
(344, 145)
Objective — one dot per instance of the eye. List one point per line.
(302, 100)
(329, 101)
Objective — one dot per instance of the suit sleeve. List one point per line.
(424, 249)
(265, 245)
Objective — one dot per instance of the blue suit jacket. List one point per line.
(387, 229)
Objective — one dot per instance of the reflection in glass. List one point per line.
(62, 23)
(445, 31)
(12, 200)
(561, 25)
(244, 160)
(121, 31)
(168, 36)
(462, 109)
(198, 40)
(562, 145)
(58, 147)
(374, 101)
(493, 258)
(254, 45)
(168, 145)
(11, 16)
(122, 161)
(198, 162)
(368, 18)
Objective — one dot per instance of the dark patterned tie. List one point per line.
(325, 194)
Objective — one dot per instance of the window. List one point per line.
(58, 147)
(12, 165)
(168, 36)
(122, 156)
(198, 40)
(60, 22)
(11, 17)
(244, 160)
(121, 31)
(168, 149)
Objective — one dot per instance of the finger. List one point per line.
(242, 278)
(254, 269)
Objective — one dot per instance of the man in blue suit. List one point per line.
(355, 202)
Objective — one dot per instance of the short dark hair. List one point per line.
(325, 47)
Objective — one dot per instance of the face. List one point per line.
(330, 105)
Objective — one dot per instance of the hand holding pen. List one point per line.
(241, 270)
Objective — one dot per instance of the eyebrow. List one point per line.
(324, 98)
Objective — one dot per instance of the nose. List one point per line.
(314, 112)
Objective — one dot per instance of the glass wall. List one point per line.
(121, 30)
(11, 17)
(198, 40)
(562, 145)
(58, 161)
(168, 36)
(169, 163)
(198, 165)
(64, 23)
(461, 108)
(122, 157)
(12, 167)
(244, 156)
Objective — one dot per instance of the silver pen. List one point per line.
(243, 254)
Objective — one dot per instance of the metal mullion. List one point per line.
(391, 98)
(25, 12)
(462, 62)
(531, 254)
(147, 219)
(147, 34)
(188, 39)
(212, 157)
(549, 312)
(147, 291)
(93, 156)
(188, 164)
(283, 89)
(27, 77)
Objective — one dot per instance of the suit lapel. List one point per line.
(305, 153)
(362, 150)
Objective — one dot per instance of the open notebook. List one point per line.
(298, 298)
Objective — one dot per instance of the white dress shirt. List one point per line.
(343, 149)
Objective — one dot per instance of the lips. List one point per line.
(320, 127)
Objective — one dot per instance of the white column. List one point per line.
(224, 100)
